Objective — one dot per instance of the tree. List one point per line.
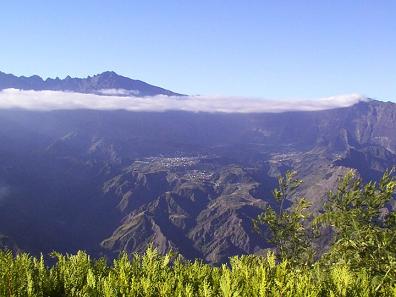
(364, 224)
(288, 229)
(361, 218)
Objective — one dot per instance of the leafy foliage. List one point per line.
(287, 227)
(152, 274)
(362, 224)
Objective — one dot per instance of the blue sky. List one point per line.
(270, 49)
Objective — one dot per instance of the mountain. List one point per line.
(107, 181)
(106, 83)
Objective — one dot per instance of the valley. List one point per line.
(107, 181)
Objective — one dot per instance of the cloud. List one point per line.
(119, 92)
(55, 100)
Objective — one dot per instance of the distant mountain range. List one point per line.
(107, 181)
(106, 83)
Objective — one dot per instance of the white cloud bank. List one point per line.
(55, 100)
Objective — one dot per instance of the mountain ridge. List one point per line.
(106, 83)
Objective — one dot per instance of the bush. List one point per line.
(152, 274)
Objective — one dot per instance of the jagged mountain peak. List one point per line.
(108, 73)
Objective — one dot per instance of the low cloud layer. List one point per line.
(54, 100)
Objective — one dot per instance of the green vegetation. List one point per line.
(357, 218)
(156, 275)
(288, 227)
(359, 261)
